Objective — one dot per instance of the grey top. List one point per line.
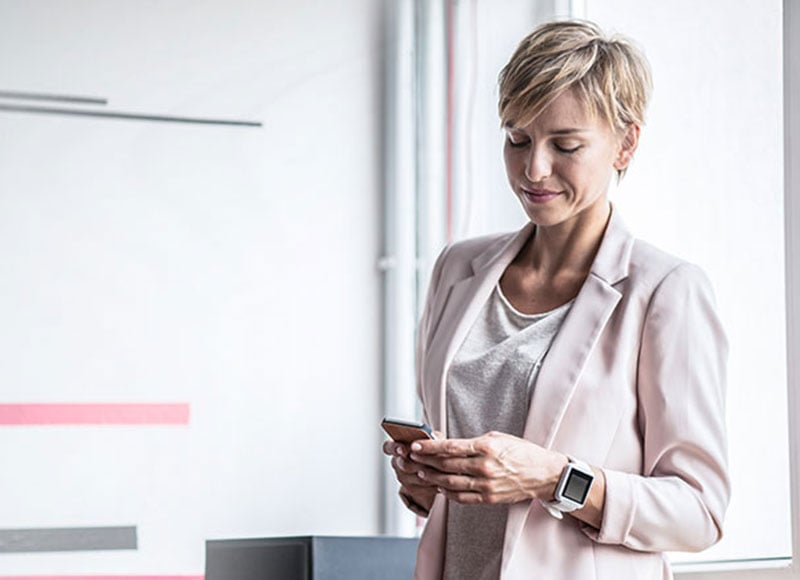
(489, 388)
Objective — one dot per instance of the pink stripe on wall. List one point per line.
(102, 577)
(94, 414)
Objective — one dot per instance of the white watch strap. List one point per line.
(579, 464)
(552, 510)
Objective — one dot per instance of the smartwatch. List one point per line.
(572, 489)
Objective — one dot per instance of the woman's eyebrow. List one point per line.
(556, 132)
(567, 131)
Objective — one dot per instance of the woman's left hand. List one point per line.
(490, 469)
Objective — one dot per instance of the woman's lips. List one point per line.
(539, 195)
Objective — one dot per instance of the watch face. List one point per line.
(577, 486)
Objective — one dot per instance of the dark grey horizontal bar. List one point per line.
(49, 97)
(67, 539)
(124, 116)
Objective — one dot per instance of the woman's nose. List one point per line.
(538, 166)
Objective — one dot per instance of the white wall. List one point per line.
(229, 268)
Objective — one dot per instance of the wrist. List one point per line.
(555, 468)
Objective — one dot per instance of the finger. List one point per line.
(405, 465)
(452, 483)
(412, 481)
(433, 461)
(451, 447)
(407, 476)
(476, 466)
(394, 448)
(415, 489)
(409, 471)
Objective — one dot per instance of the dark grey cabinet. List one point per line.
(311, 558)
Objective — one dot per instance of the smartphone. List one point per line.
(406, 431)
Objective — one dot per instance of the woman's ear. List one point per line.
(628, 145)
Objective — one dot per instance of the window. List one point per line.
(709, 169)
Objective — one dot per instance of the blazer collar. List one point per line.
(610, 264)
(504, 251)
(614, 255)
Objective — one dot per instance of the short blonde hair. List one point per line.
(610, 75)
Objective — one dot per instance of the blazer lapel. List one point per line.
(563, 366)
(564, 363)
(464, 303)
(575, 341)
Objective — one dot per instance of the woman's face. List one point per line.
(561, 164)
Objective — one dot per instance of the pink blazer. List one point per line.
(634, 383)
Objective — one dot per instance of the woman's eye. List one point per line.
(517, 144)
(564, 149)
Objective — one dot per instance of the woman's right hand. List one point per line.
(417, 494)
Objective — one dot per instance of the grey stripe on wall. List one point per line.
(105, 114)
(72, 99)
(67, 539)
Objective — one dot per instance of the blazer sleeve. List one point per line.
(424, 329)
(679, 500)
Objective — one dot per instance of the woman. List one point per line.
(576, 375)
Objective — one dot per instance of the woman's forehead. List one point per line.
(566, 114)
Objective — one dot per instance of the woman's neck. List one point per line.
(568, 248)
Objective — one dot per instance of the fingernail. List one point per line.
(421, 474)
(416, 447)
